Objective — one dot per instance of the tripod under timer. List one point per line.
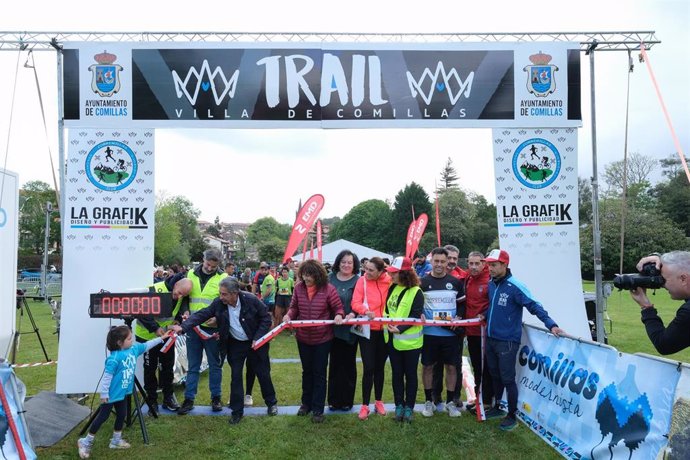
(23, 306)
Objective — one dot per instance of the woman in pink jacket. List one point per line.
(369, 299)
(314, 299)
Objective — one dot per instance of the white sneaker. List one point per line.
(84, 448)
(452, 409)
(429, 409)
(248, 401)
(119, 444)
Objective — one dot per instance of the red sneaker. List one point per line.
(379, 408)
(363, 412)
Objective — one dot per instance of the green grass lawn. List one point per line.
(342, 436)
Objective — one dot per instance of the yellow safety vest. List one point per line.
(200, 299)
(413, 337)
(143, 333)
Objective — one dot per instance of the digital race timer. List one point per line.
(113, 305)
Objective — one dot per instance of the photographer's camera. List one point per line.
(648, 278)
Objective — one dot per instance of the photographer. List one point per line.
(675, 269)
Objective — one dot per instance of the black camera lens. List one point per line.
(649, 278)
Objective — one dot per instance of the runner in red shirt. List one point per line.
(477, 302)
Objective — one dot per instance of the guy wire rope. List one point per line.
(9, 125)
(32, 65)
(624, 201)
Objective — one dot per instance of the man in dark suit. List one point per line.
(242, 319)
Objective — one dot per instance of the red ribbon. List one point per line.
(362, 321)
(203, 335)
(168, 344)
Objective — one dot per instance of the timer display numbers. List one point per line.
(114, 305)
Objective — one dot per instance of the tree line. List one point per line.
(652, 217)
(468, 220)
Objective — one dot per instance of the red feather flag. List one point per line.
(408, 240)
(303, 222)
(419, 227)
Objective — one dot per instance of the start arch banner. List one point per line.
(322, 85)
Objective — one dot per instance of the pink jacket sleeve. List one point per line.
(358, 297)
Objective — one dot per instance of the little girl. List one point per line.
(117, 382)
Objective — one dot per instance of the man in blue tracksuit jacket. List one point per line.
(507, 297)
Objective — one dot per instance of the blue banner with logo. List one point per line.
(589, 401)
(679, 433)
(14, 439)
(322, 85)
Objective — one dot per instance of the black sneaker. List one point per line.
(272, 409)
(318, 418)
(170, 403)
(153, 408)
(509, 423)
(216, 405)
(235, 419)
(407, 415)
(494, 412)
(187, 405)
(303, 410)
(399, 412)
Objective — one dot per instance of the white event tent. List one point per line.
(331, 250)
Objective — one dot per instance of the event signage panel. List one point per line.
(108, 227)
(537, 208)
(589, 401)
(322, 85)
(679, 433)
(9, 238)
(15, 441)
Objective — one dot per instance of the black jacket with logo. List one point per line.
(254, 317)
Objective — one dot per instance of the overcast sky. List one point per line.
(242, 175)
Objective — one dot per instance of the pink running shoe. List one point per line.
(363, 412)
(379, 408)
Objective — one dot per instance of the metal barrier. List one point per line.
(32, 286)
(54, 289)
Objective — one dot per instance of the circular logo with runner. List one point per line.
(536, 163)
(449, 286)
(111, 166)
